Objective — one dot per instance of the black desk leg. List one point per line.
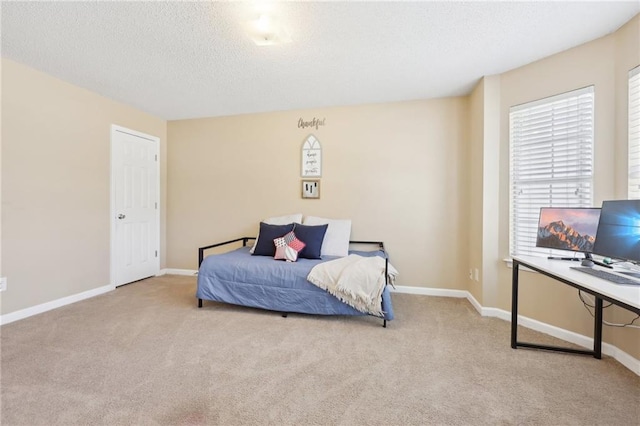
(597, 332)
(514, 306)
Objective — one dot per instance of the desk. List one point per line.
(625, 296)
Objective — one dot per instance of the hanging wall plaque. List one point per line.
(311, 157)
(311, 188)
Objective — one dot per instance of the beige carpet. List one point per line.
(146, 355)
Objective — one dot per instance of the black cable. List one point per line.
(631, 323)
(587, 306)
(591, 306)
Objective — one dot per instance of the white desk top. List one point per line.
(629, 294)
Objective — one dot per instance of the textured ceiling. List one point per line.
(186, 60)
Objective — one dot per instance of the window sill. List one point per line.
(509, 262)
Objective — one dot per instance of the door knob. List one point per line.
(121, 216)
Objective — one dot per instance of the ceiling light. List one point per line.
(266, 31)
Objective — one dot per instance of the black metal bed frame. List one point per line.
(244, 240)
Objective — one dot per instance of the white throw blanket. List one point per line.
(356, 280)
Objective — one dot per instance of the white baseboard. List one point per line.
(172, 271)
(622, 357)
(441, 292)
(619, 355)
(474, 302)
(44, 307)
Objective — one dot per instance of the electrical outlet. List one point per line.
(476, 274)
(3, 283)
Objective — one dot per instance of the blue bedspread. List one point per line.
(239, 278)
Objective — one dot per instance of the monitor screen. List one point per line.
(572, 229)
(619, 230)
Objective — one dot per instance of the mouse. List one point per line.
(587, 262)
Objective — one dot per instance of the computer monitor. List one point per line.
(619, 230)
(572, 229)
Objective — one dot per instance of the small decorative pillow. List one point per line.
(264, 244)
(288, 247)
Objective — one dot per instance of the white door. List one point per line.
(135, 218)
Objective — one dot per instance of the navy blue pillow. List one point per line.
(268, 233)
(312, 236)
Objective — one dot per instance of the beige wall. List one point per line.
(484, 177)
(56, 185)
(627, 57)
(603, 63)
(475, 183)
(627, 41)
(491, 197)
(397, 170)
(1, 272)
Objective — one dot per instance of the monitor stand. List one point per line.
(590, 261)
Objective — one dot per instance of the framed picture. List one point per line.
(311, 157)
(311, 189)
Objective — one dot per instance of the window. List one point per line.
(634, 133)
(551, 161)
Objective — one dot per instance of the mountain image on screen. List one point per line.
(564, 237)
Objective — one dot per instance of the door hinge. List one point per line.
(156, 253)
(156, 205)
(156, 157)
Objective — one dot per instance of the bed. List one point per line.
(236, 277)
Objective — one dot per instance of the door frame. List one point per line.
(112, 208)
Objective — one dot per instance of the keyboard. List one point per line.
(618, 279)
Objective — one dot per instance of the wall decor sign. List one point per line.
(311, 157)
(316, 122)
(311, 189)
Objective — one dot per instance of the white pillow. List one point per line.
(336, 240)
(279, 220)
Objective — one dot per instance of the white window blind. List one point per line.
(551, 161)
(634, 133)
